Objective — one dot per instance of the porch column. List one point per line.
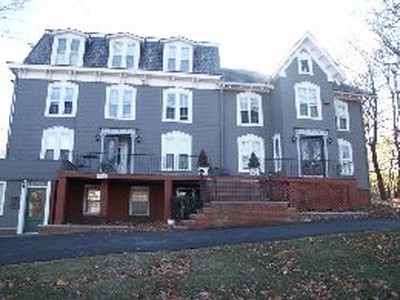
(167, 198)
(104, 188)
(60, 201)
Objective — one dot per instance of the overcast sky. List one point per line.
(252, 34)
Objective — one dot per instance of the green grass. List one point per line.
(363, 266)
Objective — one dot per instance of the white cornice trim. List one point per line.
(67, 31)
(116, 76)
(246, 87)
(124, 35)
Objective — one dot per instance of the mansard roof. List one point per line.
(319, 55)
(206, 58)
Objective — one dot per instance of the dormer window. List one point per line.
(305, 63)
(124, 53)
(68, 50)
(178, 56)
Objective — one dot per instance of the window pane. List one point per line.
(67, 107)
(49, 154)
(304, 66)
(254, 111)
(62, 45)
(117, 61)
(245, 117)
(113, 103)
(342, 123)
(131, 49)
(53, 110)
(184, 107)
(75, 45)
(55, 93)
(64, 154)
(127, 104)
(303, 109)
(117, 48)
(184, 66)
(69, 93)
(245, 161)
(130, 62)
(139, 202)
(170, 112)
(314, 111)
(183, 162)
(185, 53)
(169, 161)
(171, 64)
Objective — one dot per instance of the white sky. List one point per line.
(252, 34)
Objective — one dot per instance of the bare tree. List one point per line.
(385, 23)
(370, 113)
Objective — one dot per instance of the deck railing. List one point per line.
(187, 164)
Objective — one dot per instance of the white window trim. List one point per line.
(84, 206)
(345, 105)
(179, 45)
(178, 135)
(3, 197)
(305, 55)
(308, 85)
(59, 132)
(125, 41)
(131, 214)
(261, 157)
(177, 91)
(63, 85)
(121, 88)
(277, 153)
(248, 96)
(342, 143)
(69, 37)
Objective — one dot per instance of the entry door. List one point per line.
(35, 203)
(312, 159)
(116, 157)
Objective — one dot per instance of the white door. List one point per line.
(123, 155)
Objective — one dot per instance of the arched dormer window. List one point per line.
(68, 48)
(305, 63)
(178, 56)
(124, 52)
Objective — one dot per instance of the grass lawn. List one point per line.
(356, 266)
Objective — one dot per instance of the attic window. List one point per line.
(124, 53)
(178, 56)
(68, 50)
(305, 63)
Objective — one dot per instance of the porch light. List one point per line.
(138, 139)
(329, 140)
(294, 139)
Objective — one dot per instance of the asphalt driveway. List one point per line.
(30, 248)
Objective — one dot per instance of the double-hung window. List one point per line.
(178, 56)
(91, 200)
(346, 158)
(120, 102)
(176, 149)
(246, 145)
(68, 49)
(62, 98)
(124, 53)
(342, 115)
(57, 143)
(249, 110)
(177, 106)
(308, 102)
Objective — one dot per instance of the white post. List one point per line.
(47, 204)
(22, 208)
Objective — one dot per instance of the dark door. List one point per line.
(34, 213)
(312, 156)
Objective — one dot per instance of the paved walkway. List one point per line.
(30, 248)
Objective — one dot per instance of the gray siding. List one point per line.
(11, 204)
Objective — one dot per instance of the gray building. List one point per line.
(96, 117)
